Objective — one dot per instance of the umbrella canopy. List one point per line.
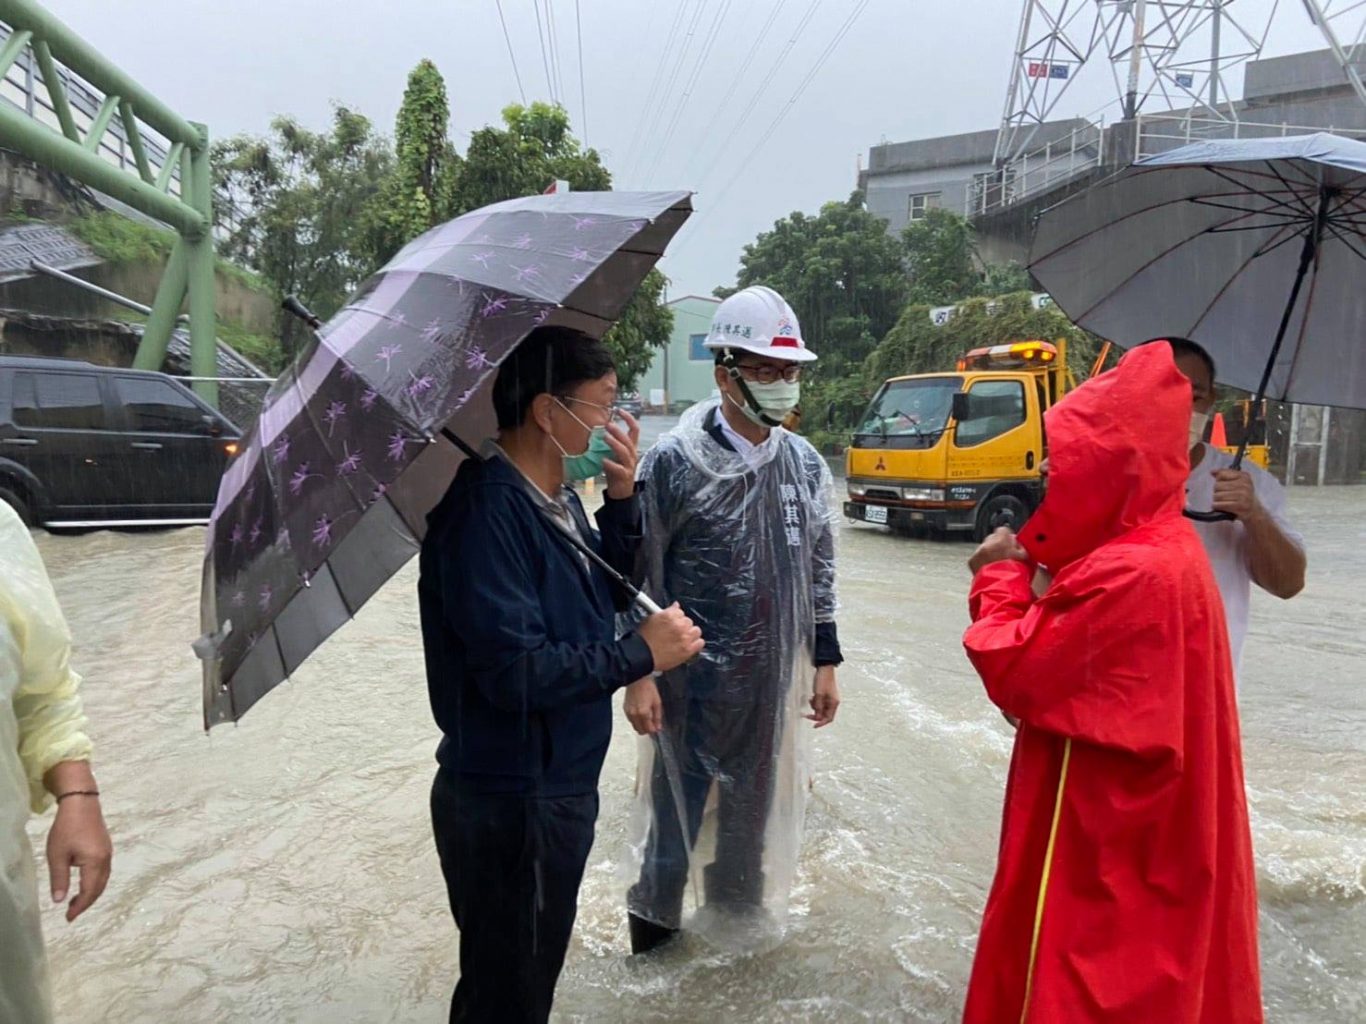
(331, 494)
(1224, 242)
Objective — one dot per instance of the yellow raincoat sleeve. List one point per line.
(46, 699)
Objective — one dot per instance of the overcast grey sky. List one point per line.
(906, 69)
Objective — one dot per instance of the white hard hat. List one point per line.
(759, 320)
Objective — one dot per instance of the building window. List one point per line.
(923, 202)
(696, 350)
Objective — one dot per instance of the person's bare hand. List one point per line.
(80, 840)
(1001, 546)
(644, 709)
(1234, 493)
(825, 697)
(671, 637)
(620, 470)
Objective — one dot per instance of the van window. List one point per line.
(58, 401)
(997, 406)
(156, 407)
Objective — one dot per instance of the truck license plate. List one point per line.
(874, 514)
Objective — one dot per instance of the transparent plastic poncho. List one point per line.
(746, 546)
(41, 725)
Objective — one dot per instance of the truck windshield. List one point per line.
(911, 408)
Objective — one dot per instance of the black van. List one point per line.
(97, 446)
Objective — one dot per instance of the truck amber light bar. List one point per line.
(1019, 353)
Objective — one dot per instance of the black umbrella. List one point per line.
(1255, 248)
(360, 438)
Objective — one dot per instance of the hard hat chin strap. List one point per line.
(733, 369)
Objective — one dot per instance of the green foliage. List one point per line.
(264, 351)
(117, 239)
(917, 345)
(643, 328)
(841, 272)
(941, 256)
(328, 209)
(1005, 278)
(421, 191)
(302, 191)
(533, 148)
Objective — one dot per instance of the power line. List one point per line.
(656, 81)
(583, 91)
(743, 166)
(545, 60)
(673, 65)
(713, 33)
(810, 77)
(556, 64)
(512, 56)
(779, 61)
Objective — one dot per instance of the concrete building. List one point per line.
(682, 371)
(904, 179)
(1294, 94)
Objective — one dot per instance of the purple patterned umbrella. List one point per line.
(331, 493)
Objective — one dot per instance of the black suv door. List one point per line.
(179, 447)
(60, 433)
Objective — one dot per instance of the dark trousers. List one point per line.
(512, 865)
(731, 745)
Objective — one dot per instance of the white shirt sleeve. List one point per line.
(1271, 496)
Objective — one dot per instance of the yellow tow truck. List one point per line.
(958, 452)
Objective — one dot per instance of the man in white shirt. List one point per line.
(1259, 545)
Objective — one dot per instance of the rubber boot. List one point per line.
(646, 935)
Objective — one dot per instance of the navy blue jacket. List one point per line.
(521, 649)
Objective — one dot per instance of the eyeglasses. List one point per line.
(767, 373)
(607, 410)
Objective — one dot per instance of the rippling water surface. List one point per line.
(282, 869)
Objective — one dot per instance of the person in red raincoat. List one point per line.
(1124, 890)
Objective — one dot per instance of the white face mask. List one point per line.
(1199, 420)
(775, 400)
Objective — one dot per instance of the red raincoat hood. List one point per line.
(1118, 457)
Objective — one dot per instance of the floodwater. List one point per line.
(282, 870)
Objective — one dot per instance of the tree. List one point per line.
(644, 327)
(302, 191)
(843, 275)
(532, 149)
(941, 254)
(917, 345)
(421, 190)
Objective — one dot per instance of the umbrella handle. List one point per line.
(292, 305)
(1208, 517)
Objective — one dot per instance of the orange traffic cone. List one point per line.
(1217, 437)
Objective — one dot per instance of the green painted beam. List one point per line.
(168, 168)
(55, 91)
(200, 253)
(38, 142)
(133, 134)
(101, 123)
(151, 354)
(94, 67)
(14, 46)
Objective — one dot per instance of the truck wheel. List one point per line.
(1002, 510)
(17, 503)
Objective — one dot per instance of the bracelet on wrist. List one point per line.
(77, 792)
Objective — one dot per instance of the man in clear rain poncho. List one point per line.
(739, 530)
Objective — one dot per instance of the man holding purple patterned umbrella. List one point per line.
(522, 662)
